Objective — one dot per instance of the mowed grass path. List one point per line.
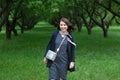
(97, 58)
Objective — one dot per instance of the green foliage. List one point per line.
(32, 8)
(97, 58)
(33, 11)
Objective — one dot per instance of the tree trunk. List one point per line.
(13, 24)
(22, 29)
(79, 25)
(15, 32)
(105, 32)
(6, 16)
(8, 32)
(89, 31)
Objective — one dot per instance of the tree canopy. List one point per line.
(26, 13)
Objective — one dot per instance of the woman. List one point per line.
(65, 57)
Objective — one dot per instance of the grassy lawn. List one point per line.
(97, 58)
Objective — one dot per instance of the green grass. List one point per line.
(97, 58)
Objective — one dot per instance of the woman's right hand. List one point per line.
(45, 60)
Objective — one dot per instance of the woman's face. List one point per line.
(63, 26)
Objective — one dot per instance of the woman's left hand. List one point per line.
(71, 65)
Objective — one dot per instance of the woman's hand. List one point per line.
(71, 65)
(45, 60)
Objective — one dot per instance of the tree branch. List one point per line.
(117, 2)
(109, 9)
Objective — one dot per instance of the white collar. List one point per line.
(66, 33)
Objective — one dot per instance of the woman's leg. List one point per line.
(63, 72)
(53, 73)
